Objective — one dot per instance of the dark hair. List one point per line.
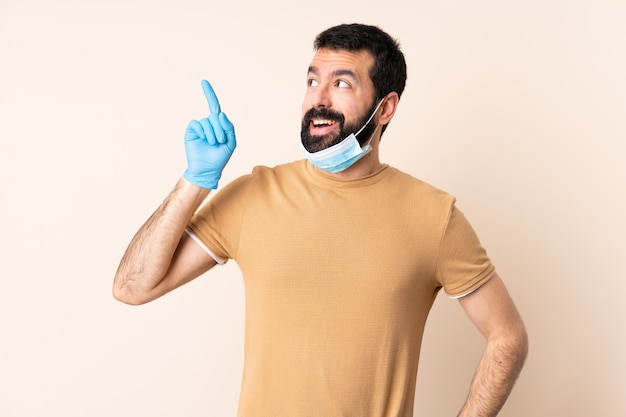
(389, 71)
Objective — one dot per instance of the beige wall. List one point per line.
(516, 107)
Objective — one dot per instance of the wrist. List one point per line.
(188, 189)
(208, 182)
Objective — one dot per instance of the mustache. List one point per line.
(323, 113)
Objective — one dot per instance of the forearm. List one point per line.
(495, 376)
(148, 257)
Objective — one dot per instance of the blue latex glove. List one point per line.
(209, 143)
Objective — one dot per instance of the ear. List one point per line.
(388, 108)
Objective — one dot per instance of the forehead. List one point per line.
(329, 61)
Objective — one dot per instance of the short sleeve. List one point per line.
(463, 264)
(217, 225)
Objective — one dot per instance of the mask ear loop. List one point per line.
(370, 118)
(368, 121)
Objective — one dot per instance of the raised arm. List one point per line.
(493, 312)
(161, 256)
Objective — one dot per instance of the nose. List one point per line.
(319, 97)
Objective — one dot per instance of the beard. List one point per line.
(314, 143)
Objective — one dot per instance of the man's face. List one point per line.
(339, 98)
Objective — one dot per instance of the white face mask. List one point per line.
(344, 154)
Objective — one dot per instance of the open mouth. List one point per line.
(322, 126)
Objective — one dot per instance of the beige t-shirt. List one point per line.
(339, 278)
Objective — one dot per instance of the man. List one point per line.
(342, 255)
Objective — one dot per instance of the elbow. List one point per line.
(519, 338)
(124, 293)
(522, 342)
(518, 346)
(515, 344)
(511, 346)
(124, 296)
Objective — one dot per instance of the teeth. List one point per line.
(322, 122)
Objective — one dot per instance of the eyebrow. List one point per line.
(337, 73)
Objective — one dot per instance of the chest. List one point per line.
(326, 241)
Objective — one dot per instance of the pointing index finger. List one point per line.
(211, 98)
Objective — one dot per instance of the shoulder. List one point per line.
(265, 176)
(265, 173)
(291, 168)
(264, 179)
(415, 188)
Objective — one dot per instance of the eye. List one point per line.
(343, 84)
(312, 83)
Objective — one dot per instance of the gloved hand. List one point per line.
(209, 143)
